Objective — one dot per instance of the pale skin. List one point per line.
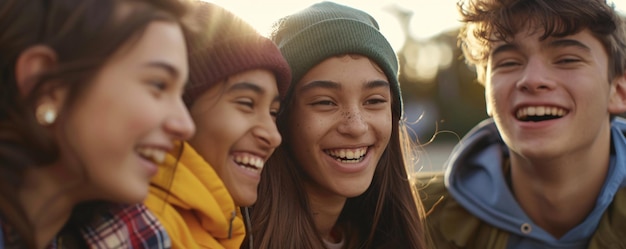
(558, 167)
(342, 105)
(137, 94)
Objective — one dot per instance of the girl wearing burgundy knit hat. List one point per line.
(236, 78)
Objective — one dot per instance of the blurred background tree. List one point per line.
(442, 98)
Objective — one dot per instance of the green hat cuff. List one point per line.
(333, 37)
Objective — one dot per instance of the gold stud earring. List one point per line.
(46, 114)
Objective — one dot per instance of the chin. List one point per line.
(133, 196)
(245, 201)
(352, 191)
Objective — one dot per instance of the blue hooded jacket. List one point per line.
(474, 178)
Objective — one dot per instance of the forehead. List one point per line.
(536, 37)
(346, 67)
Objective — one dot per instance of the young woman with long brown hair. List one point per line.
(90, 101)
(339, 179)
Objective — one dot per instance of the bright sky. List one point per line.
(429, 17)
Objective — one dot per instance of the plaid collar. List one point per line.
(127, 226)
(123, 226)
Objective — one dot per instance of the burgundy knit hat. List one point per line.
(224, 45)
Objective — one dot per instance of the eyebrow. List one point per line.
(504, 48)
(320, 84)
(241, 86)
(336, 86)
(557, 43)
(560, 43)
(171, 70)
(246, 86)
(376, 84)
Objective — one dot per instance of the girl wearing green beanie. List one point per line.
(339, 179)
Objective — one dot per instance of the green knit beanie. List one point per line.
(327, 29)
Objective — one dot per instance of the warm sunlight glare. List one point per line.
(421, 19)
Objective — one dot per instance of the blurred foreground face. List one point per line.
(126, 121)
(550, 97)
(237, 130)
(340, 124)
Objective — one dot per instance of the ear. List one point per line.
(617, 96)
(31, 64)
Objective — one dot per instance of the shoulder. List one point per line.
(431, 188)
(612, 228)
(450, 225)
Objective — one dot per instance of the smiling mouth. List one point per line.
(348, 155)
(249, 162)
(157, 156)
(539, 113)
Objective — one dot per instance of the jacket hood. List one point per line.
(474, 177)
(193, 191)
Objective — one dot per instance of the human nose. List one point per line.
(267, 132)
(353, 123)
(536, 77)
(179, 124)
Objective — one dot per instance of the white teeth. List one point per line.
(539, 111)
(348, 155)
(153, 154)
(255, 163)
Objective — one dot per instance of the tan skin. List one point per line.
(246, 103)
(343, 105)
(326, 211)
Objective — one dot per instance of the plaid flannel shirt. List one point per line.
(121, 227)
(127, 226)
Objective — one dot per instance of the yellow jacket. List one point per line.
(193, 204)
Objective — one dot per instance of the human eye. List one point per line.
(274, 113)
(274, 109)
(506, 64)
(375, 101)
(323, 103)
(247, 103)
(506, 56)
(568, 60)
(159, 85)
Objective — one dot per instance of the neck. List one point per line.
(47, 202)
(558, 194)
(326, 208)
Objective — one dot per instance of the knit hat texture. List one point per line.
(223, 45)
(327, 29)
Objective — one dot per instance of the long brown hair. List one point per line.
(83, 34)
(387, 215)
